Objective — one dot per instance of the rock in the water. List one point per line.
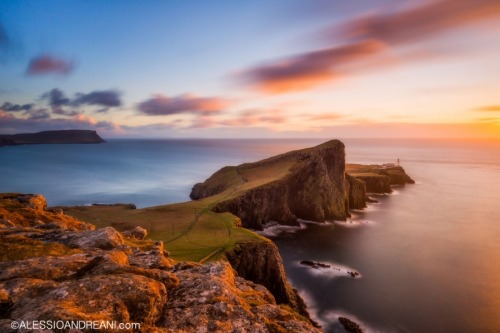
(350, 326)
(314, 264)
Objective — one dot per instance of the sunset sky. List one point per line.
(281, 68)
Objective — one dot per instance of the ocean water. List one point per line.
(428, 254)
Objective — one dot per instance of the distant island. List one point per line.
(51, 137)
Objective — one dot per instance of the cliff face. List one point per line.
(357, 192)
(55, 267)
(51, 137)
(312, 188)
(262, 264)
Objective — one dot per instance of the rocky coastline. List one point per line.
(56, 263)
(55, 267)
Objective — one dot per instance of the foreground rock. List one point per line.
(56, 267)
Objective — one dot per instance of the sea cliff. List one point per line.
(310, 184)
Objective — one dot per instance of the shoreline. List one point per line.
(294, 188)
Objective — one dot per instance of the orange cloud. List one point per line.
(48, 64)
(417, 23)
(306, 70)
(489, 108)
(326, 116)
(161, 105)
(254, 117)
(361, 42)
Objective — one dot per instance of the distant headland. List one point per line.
(51, 137)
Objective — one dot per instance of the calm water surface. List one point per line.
(429, 254)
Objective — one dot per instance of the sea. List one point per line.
(428, 255)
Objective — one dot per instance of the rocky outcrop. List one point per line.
(357, 192)
(212, 298)
(51, 137)
(313, 188)
(350, 326)
(137, 233)
(379, 178)
(375, 183)
(58, 268)
(262, 264)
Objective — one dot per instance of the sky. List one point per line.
(252, 69)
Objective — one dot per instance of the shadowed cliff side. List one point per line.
(261, 263)
(308, 184)
(364, 179)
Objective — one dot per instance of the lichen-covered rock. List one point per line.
(157, 257)
(105, 238)
(137, 233)
(28, 210)
(211, 299)
(121, 297)
(98, 275)
(34, 201)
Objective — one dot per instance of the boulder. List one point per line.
(137, 233)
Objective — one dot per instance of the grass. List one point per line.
(190, 230)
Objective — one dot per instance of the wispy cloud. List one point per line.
(105, 98)
(57, 100)
(7, 106)
(161, 105)
(417, 23)
(325, 116)
(254, 117)
(39, 121)
(363, 39)
(38, 114)
(49, 64)
(489, 108)
(56, 97)
(309, 69)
